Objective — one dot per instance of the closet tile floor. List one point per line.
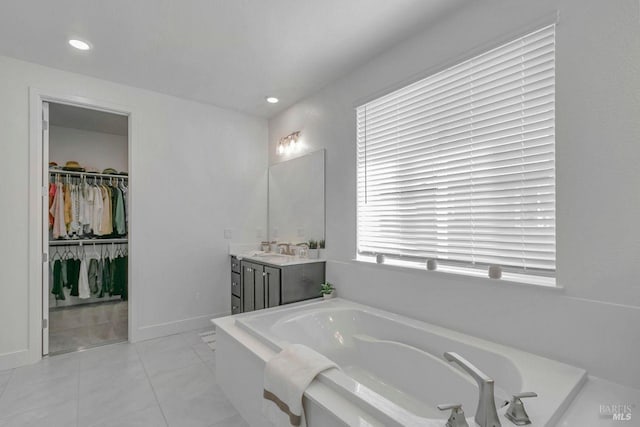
(168, 381)
(80, 327)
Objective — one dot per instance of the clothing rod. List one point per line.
(82, 242)
(94, 174)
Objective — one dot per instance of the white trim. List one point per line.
(538, 282)
(36, 245)
(13, 359)
(44, 288)
(178, 326)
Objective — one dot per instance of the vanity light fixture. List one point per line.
(272, 99)
(288, 143)
(79, 44)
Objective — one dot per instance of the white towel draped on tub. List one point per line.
(286, 376)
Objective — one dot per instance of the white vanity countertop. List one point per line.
(273, 258)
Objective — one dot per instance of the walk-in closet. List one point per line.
(87, 228)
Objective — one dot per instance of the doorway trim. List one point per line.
(37, 194)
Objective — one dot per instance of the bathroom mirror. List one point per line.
(296, 199)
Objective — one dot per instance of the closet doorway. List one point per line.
(86, 227)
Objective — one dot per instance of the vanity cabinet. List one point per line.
(260, 286)
(256, 285)
(235, 286)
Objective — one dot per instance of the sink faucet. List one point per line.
(486, 414)
(285, 248)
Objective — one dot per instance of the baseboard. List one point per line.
(169, 328)
(14, 359)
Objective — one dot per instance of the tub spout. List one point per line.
(486, 414)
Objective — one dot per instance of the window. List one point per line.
(460, 166)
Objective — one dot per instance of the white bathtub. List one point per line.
(392, 367)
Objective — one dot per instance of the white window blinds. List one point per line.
(460, 166)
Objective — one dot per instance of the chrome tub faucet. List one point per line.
(486, 414)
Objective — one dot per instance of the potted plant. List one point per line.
(321, 253)
(327, 290)
(313, 249)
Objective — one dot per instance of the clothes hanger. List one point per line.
(94, 252)
(66, 253)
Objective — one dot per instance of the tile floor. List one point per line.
(79, 327)
(168, 381)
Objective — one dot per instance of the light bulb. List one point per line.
(79, 44)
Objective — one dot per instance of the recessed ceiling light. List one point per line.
(79, 44)
(272, 100)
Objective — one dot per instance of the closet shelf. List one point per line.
(93, 174)
(81, 242)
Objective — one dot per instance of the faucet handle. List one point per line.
(447, 406)
(456, 418)
(516, 413)
(525, 394)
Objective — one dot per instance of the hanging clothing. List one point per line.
(95, 281)
(83, 281)
(85, 273)
(118, 276)
(57, 211)
(113, 282)
(125, 191)
(67, 205)
(85, 208)
(96, 217)
(87, 212)
(119, 216)
(63, 272)
(123, 275)
(113, 192)
(106, 227)
(73, 275)
(57, 288)
(106, 277)
(78, 209)
(75, 226)
(52, 194)
(82, 208)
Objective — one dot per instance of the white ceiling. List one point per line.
(230, 53)
(69, 116)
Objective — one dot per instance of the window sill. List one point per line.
(507, 277)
